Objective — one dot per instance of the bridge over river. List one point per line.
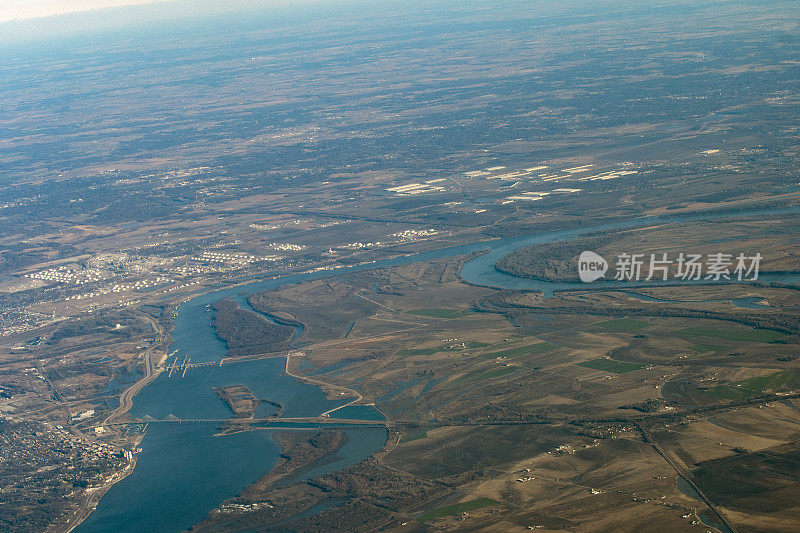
(254, 421)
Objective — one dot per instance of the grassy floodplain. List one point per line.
(609, 365)
(457, 508)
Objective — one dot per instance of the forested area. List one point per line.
(246, 333)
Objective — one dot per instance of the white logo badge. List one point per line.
(591, 266)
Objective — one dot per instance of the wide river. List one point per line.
(183, 471)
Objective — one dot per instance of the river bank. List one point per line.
(179, 461)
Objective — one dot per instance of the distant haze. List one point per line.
(30, 9)
(28, 21)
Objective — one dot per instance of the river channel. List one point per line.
(183, 471)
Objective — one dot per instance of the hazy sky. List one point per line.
(24, 22)
(28, 9)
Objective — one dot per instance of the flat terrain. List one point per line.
(145, 167)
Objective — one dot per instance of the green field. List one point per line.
(706, 347)
(422, 351)
(458, 508)
(753, 387)
(609, 365)
(436, 313)
(474, 345)
(753, 335)
(624, 325)
(487, 374)
(530, 349)
(413, 436)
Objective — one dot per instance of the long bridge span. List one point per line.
(253, 421)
